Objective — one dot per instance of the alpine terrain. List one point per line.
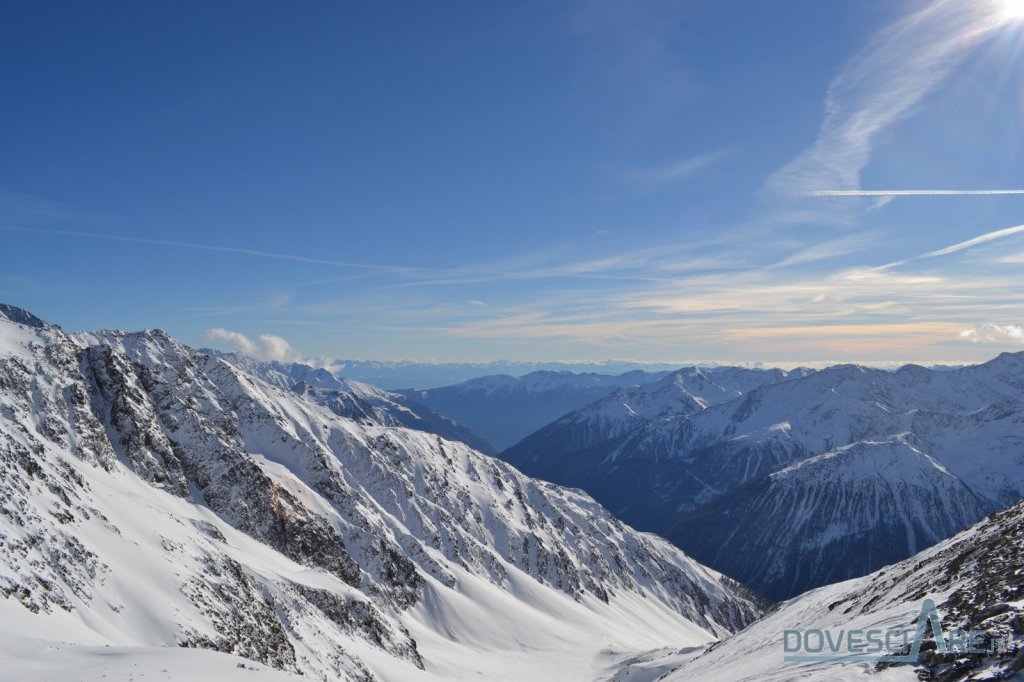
(167, 512)
(975, 580)
(355, 399)
(804, 480)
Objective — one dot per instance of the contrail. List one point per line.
(455, 275)
(211, 247)
(910, 192)
(981, 239)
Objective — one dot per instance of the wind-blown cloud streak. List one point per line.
(646, 178)
(881, 86)
(911, 192)
(599, 268)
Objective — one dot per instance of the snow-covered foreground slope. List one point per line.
(154, 496)
(503, 409)
(975, 579)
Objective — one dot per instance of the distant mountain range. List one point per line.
(405, 374)
(797, 479)
(616, 446)
(503, 409)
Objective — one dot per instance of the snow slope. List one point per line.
(154, 496)
(355, 399)
(975, 578)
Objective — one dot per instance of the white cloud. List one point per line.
(993, 333)
(266, 348)
(892, 193)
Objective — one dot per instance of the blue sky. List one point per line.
(531, 180)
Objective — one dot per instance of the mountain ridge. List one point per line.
(155, 495)
(659, 471)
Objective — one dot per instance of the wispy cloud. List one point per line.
(274, 302)
(1011, 259)
(26, 205)
(656, 176)
(778, 308)
(626, 265)
(881, 86)
(856, 313)
(829, 249)
(911, 192)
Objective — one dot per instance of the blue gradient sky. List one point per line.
(526, 180)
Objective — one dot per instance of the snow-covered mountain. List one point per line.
(156, 496)
(576, 449)
(831, 517)
(503, 409)
(356, 400)
(958, 434)
(626, 410)
(402, 374)
(975, 580)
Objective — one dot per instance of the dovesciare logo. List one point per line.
(889, 645)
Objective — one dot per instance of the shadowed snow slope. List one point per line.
(975, 579)
(155, 496)
(831, 517)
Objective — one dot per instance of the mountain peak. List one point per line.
(1007, 358)
(18, 315)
